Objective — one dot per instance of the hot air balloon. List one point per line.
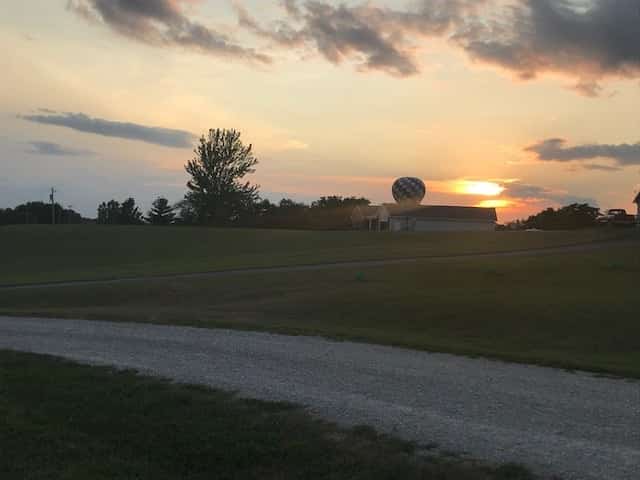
(409, 191)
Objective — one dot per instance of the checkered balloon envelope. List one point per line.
(409, 190)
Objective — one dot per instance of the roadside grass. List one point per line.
(67, 421)
(574, 311)
(32, 253)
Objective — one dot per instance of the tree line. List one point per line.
(217, 195)
(331, 212)
(39, 213)
(571, 217)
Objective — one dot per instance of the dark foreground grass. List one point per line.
(576, 311)
(34, 254)
(66, 421)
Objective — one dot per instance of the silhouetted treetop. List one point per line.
(114, 213)
(161, 212)
(217, 192)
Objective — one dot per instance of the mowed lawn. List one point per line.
(60, 420)
(32, 254)
(577, 310)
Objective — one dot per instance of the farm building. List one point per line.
(417, 218)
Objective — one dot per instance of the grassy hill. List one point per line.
(31, 254)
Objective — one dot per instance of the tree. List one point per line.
(116, 213)
(286, 205)
(38, 213)
(265, 208)
(109, 213)
(186, 213)
(130, 214)
(335, 201)
(217, 192)
(571, 217)
(161, 212)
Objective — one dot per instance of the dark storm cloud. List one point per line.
(55, 149)
(108, 128)
(556, 150)
(161, 23)
(587, 39)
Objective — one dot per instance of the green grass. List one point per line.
(576, 311)
(32, 254)
(66, 421)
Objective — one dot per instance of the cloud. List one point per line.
(161, 23)
(376, 38)
(586, 40)
(295, 145)
(108, 128)
(556, 150)
(518, 190)
(600, 167)
(291, 7)
(55, 149)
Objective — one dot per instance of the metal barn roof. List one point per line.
(444, 212)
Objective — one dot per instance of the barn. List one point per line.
(428, 218)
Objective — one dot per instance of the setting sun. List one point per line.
(489, 189)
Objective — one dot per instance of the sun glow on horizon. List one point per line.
(487, 189)
(496, 203)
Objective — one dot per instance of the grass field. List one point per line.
(574, 310)
(32, 254)
(66, 421)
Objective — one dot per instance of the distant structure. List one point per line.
(637, 202)
(421, 218)
(407, 215)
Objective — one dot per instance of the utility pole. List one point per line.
(53, 206)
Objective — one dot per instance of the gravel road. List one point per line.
(574, 425)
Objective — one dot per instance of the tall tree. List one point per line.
(217, 191)
(161, 213)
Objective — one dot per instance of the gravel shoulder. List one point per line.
(574, 425)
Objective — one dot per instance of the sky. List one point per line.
(518, 104)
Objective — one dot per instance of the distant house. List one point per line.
(437, 218)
